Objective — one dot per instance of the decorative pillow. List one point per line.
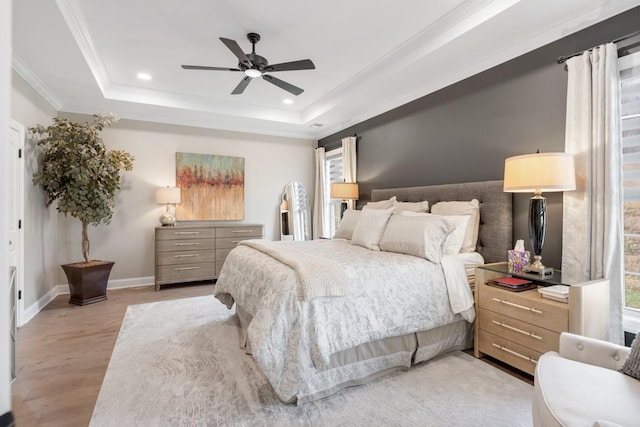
(418, 235)
(370, 228)
(382, 204)
(347, 224)
(631, 365)
(410, 206)
(454, 241)
(463, 208)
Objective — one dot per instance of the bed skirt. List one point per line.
(368, 361)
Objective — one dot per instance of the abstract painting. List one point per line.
(212, 187)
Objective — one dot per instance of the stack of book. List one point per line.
(514, 283)
(555, 292)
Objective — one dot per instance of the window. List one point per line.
(333, 170)
(629, 67)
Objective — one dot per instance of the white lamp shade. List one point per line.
(344, 190)
(167, 195)
(540, 172)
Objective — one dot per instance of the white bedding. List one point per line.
(292, 338)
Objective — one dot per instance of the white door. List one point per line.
(15, 212)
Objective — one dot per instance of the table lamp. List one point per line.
(167, 195)
(344, 191)
(537, 173)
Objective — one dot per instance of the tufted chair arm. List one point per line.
(592, 351)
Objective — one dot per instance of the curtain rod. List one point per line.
(563, 59)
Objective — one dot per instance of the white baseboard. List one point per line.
(35, 308)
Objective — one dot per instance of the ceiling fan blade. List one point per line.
(241, 86)
(305, 64)
(237, 51)
(283, 85)
(200, 67)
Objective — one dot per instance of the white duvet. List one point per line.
(292, 337)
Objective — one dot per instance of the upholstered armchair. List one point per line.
(581, 386)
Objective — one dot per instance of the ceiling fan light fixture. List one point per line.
(252, 72)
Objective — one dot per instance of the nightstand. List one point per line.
(518, 327)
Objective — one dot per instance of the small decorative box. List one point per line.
(518, 260)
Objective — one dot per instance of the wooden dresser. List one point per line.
(187, 253)
(518, 327)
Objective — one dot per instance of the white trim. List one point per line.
(631, 320)
(34, 81)
(18, 127)
(63, 289)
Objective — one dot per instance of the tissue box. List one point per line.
(518, 260)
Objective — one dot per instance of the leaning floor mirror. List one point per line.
(295, 213)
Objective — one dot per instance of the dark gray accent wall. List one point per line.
(464, 132)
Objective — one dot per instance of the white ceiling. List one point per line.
(370, 55)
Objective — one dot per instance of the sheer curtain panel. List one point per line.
(349, 164)
(592, 219)
(320, 203)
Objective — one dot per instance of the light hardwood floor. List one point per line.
(64, 351)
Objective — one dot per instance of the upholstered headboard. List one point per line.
(496, 225)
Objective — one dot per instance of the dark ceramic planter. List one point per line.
(87, 281)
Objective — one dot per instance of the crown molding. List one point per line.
(34, 81)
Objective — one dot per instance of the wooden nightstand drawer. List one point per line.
(527, 306)
(186, 245)
(173, 233)
(240, 231)
(526, 334)
(512, 353)
(184, 257)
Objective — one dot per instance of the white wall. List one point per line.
(270, 163)
(5, 93)
(40, 230)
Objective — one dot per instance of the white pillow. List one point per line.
(453, 244)
(382, 204)
(370, 228)
(463, 208)
(418, 235)
(347, 224)
(410, 206)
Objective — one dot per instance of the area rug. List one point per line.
(178, 363)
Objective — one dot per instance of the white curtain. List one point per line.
(349, 164)
(320, 207)
(592, 220)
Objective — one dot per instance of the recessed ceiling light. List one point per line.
(287, 101)
(144, 76)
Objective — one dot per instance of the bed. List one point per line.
(319, 316)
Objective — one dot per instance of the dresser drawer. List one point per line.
(184, 257)
(251, 231)
(172, 233)
(509, 352)
(532, 336)
(185, 245)
(527, 306)
(181, 272)
(231, 242)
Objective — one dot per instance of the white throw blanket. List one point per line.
(460, 296)
(319, 277)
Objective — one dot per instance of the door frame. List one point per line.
(18, 127)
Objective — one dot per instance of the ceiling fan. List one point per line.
(254, 65)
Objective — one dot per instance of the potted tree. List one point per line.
(83, 176)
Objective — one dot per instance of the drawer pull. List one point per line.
(529, 334)
(186, 256)
(242, 231)
(186, 244)
(515, 353)
(179, 233)
(185, 268)
(513, 304)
